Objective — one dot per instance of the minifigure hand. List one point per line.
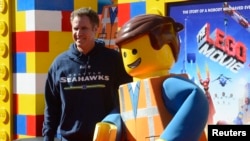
(105, 132)
(160, 139)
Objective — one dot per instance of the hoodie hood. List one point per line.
(76, 55)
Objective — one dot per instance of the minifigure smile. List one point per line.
(135, 63)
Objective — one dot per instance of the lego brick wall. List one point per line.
(40, 31)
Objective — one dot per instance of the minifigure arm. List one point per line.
(189, 106)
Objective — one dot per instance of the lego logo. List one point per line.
(4, 95)
(3, 49)
(2, 6)
(4, 136)
(4, 116)
(3, 28)
(3, 72)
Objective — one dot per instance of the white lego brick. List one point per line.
(43, 20)
(29, 83)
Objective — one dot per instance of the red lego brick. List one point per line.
(34, 125)
(30, 41)
(123, 13)
(66, 26)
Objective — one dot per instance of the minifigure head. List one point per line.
(149, 45)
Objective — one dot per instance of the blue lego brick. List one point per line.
(137, 8)
(23, 5)
(102, 3)
(19, 61)
(63, 5)
(20, 124)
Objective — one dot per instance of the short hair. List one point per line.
(157, 27)
(86, 11)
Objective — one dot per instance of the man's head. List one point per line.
(84, 22)
(86, 11)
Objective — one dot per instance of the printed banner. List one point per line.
(215, 54)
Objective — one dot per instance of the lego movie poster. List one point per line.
(215, 54)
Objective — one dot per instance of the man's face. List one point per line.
(82, 31)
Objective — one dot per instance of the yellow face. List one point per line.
(140, 58)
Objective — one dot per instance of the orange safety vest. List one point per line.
(143, 111)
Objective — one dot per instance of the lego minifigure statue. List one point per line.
(157, 105)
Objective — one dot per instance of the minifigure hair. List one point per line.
(161, 30)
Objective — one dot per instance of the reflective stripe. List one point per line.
(142, 112)
(151, 126)
(122, 101)
(149, 111)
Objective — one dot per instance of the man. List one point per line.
(82, 83)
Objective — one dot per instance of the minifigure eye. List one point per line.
(134, 51)
(124, 54)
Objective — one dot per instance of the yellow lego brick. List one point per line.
(30, 62)
(30, 104)
(40, 104)
(39, 62)
(85, 3)
(159, 6)
(155, 7)
(20, 18)
(59, 41)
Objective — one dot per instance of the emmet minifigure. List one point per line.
(157, 105)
